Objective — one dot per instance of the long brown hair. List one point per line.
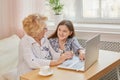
(68, 24)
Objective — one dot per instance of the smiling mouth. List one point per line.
(61, 36)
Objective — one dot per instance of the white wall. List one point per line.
(104, 36)
(12, 13)
(108, 32)
(88, 35)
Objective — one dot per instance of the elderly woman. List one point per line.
(34, 49)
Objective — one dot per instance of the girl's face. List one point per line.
(63, 32)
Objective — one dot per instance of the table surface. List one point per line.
(107, 61)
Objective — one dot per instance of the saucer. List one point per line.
(46, 74)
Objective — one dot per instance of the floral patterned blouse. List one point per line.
(71, 44)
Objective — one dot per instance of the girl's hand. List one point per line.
(82, 54)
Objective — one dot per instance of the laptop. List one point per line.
(91, 56)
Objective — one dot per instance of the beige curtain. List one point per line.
(8, 17)
(12, 13)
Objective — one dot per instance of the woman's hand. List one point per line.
(61, 59)
(65, 56)
(82, 54)
(69, 54)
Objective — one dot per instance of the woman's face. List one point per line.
(42, 33)
(63, 32)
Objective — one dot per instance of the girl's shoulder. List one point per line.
(53, 39)
(72, 39)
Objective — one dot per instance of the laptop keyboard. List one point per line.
(78, 65)
(74, 63)
(67, 63)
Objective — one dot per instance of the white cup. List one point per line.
(45, 69)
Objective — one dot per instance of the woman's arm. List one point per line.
(34, 62)
(26, 55)
(61, 59)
